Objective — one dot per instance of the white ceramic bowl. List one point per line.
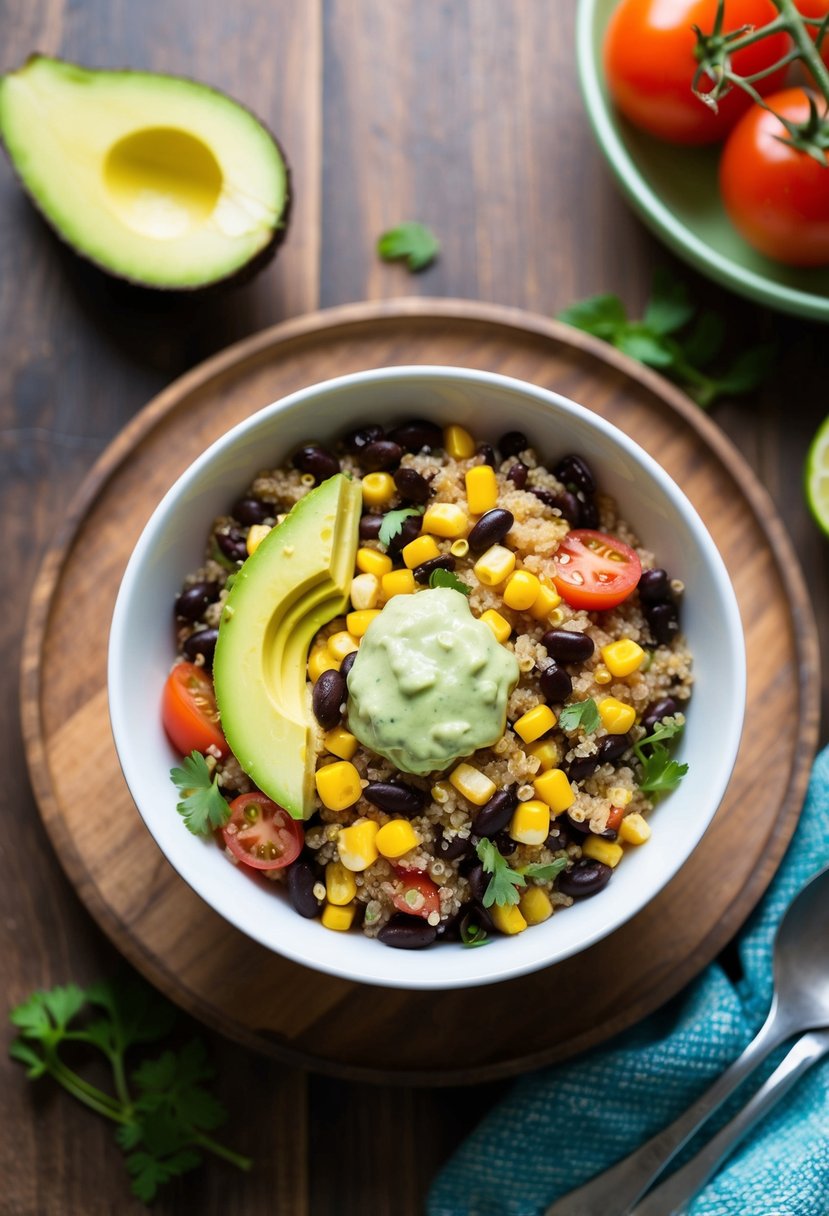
(172, 544)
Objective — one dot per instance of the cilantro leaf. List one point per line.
(669, 307)
(473, 935)
(202, 806)
(545, 871)
(136, 1013)
(26, 1054)
(602, 316)
(411, 241)
(149, 1172)
(646, 347)
(445, 578)
(584, 714)
(393, 521)
(504, 883)
(660, 773)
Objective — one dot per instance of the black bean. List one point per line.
(475, 914)
(370, 526)
(656, 711)
(302, 879)
(417, 435)
(505, 844)
(558, 837)
(405, 932)
(232, 544)
(202, 643)
(588, 513)
(555, 683)
(193, 600)
(512, 443)
(381, 455)
(487, 451)
(252, 511)
(568, 646)
(478, 882)
(573, 471)
(358, 440)
(518, 475)
(347, 664)
(423, 572)
(449, 930)
(612, 747)
(317, 460)
(581, 769)
(490, 529)
(654, 587)
(395, 798)
(411, 486)
(584, 879)
(409, 532)
(329, 694)
(450, 849)
(563, 501)
(494, 815)
(663, 620)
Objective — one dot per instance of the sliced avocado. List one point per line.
(296, 581)
(160, 180)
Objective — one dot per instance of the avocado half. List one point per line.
(160, 180)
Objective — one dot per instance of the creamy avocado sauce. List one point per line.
(430, 683)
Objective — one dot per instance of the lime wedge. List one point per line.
(817, 476)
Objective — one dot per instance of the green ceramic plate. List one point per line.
(674, 190)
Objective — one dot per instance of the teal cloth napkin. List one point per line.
(559, 1127)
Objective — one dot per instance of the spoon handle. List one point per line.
(614, 1192)
(670, 1198)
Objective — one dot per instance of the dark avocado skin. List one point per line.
(238, 277)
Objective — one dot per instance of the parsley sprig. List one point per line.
(660, 773)
(505, 882)
(584, 714)
(163, 1112)
(412, 242)
(393, 521)
(202, 806)
(445, 578)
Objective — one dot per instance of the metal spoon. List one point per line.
(800, 1002)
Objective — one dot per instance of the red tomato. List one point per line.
(776, 196)
(818, 9)
(594, 570)
(188, 710)
(419, 896)
(649, 65)
(261, 834)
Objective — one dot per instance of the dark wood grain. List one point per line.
(465, 114)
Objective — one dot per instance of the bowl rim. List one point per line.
(186, 865)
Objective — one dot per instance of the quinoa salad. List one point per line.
(472, 678)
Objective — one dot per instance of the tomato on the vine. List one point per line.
(817, 9)
(261, 834)
(776, 196)
(188, 710)
(650, 63)
(595, 571)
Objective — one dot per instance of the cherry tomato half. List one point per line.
(776, 196)
(261, 834)
(420, 896)
(595, 571)
(649, 65)
(188, 710)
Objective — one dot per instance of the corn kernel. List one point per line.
(357, 845)
(494, 566)
(547, 752)
(378, 489)
(619, 796)
(544, 603)
(498, 624)
(339, 919)
(616, 716)
(535, 723)
(554, 788)
(530, 823)
(601, 675)
(396, 838)
(338, 785)
(342, 643)
(340, 884)
(421, 549)
(472, 783)
(458, 442)
(622, 658)
(445, 519)
(397, 582)
(459, 548)
(606, 851)
(370, 561)
(507, 918)
(634, 829)
(340, 742)
(521, 590)
(535, 906)
(365, 591)
(319, 660)
(481, 489)
(441, 792)
(256, 535)
(358, 622)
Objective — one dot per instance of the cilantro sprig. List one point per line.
(676, 338)
(584, 714)
(393, 521)
(660, 773)
(412, 242)
(505, 883)
(201, 806)
(163, 1112)
(445, 578)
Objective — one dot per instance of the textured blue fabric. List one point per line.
(557, 1128)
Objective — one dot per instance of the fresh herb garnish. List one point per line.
(445, 578)
(473, 935)
(393, 521)
(412, 241)
(505, 882)
(660, 774)
(674, 337)
(162, 1110)
(584, 714)
(202, 806)
(545, 871)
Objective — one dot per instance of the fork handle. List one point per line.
(614, 1192)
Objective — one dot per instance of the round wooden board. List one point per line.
(313, 1020)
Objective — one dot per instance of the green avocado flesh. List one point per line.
(157, 179)
(294, 583)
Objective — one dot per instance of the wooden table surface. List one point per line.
(464, 114)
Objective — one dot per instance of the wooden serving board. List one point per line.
(314, 1020)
